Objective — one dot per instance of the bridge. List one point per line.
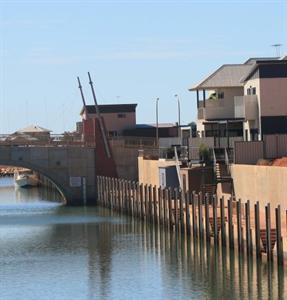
(72, 168)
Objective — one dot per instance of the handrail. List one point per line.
(227, 161)
(214, 161)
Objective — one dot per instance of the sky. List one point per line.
(135, 51)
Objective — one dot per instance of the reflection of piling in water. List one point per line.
(204, 217)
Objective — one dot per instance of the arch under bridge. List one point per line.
(71, 168)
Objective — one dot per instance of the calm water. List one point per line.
(49, 251)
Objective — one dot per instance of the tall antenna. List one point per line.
(277, 49)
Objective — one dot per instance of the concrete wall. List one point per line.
(260, 183)
(126, 159)
(148, 169)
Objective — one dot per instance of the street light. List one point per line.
(156, 112)
(178, 108)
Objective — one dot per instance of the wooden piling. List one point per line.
(187, 213)
(239, 225)
(181, 213)
(175, 209)
(200, 225)
(207, 226)
(223, 226)
(164, 219)
(194, 223)
(257, 230)
(150, 203)
(166, 206)
(170, 217)
(215, 225)
(248, 228)
(268, 232)
(141, 201)
(279, 242)
(159, 193)
(155, 211)
(230, 223)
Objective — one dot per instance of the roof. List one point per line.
(160, 125)
(229, 75)
(253, 60)
(268, 69)
(110, 108)
(33, 129)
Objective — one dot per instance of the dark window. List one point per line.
(113, 133)
(248, 91)
(221, 95)
(121, 116)
(253, 91)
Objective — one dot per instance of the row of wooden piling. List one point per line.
(204, 217)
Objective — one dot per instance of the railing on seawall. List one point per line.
(231, 224)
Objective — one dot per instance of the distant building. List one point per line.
(31, 133)
(117, 118)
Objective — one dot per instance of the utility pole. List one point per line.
(156, 115)
(178, 110)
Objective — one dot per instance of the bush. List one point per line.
(204, 153)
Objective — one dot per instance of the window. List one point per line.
(249, 91)
(254, 91)
(220, 95)
(121, 116)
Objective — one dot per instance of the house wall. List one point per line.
(266, 184)
(273, 93)
(114, 123)
(149, 169)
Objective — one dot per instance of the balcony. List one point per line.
(246, 107)
(216, 109)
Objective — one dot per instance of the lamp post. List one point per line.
(156, 115)
(178, 109)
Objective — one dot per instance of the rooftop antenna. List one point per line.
(100, 119)
(277, 49)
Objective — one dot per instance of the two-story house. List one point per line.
(243, 100)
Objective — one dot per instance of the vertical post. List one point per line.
(159, 192)
(150, 202)
(257, 230)
(138, 206)
(166, 206)
(187, 213)
(200, 226)
(155, 213)
(176, 208)
(170, 218)
(230, 224)
(279, 236)
(141, 201)
(130, 197)
(239, 226)
(248, 228)
(222, 216)
(146, 201)
(207, 227)
(215, 225)
(194, 223)
(268, 231)
(181, 201)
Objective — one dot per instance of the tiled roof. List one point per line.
(225, 76)
(33, 129)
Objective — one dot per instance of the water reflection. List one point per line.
(92, 253)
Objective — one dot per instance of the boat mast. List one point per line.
(103, 132)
